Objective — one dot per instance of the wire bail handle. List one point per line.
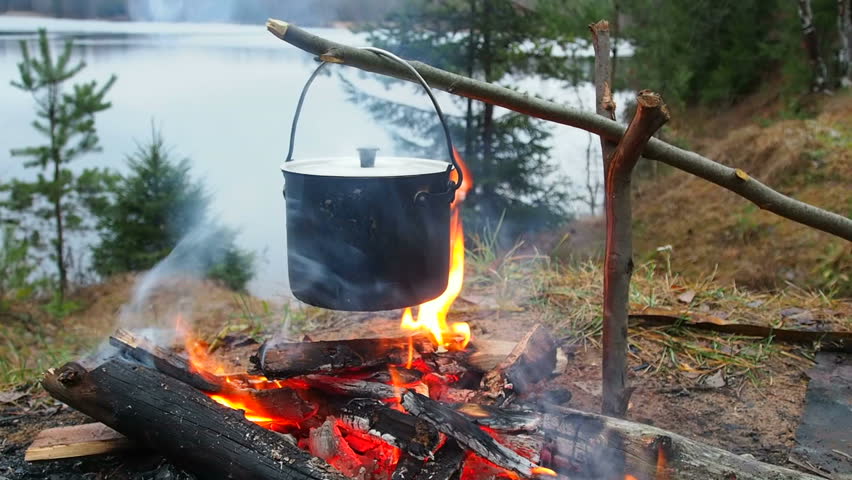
(453, 186)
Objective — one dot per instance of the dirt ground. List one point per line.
(754, 410)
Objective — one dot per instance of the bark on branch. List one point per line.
(604, 103)
(651, 114)
(741, 184)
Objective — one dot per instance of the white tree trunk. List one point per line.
(820, 72)
(844, 27)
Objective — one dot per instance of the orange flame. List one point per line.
(543, 471)
(201, 361)
(662, 464)
(432, 315)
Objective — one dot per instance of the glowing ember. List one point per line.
(432, 315)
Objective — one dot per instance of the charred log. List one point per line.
(189, 428)
(142, 350)
(501, 419)
(352, 388)
(586, 444)
(445, 466)
(290, 359)
(466, 433)
(414, 436)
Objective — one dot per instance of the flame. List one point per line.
(241, 404)
(662, 464)
(432, 315)
(200, 360)
(543, 471)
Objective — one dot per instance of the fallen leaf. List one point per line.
(717, 380)
(686, 297)
(803, 318)
(787, 312)
(11, 396)
(592, 387)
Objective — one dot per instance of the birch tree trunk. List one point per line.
(844, 55)
(819, 79)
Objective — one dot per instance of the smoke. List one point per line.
(169, 290)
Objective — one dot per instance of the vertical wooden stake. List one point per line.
(651, 114)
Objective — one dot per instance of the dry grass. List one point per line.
(711, 228)
(572, 296)
(36, 341)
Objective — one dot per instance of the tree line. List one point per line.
(138, 218)
(309, 13)
(702, 52)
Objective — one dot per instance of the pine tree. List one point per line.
(66, 118)
(156, 205)
(491, 40)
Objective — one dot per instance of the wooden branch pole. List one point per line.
(189, 428)
(604, 103)
(651, 114)
(732, 179)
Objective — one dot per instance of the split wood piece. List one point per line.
(147, 353)
(651, 114)
(182, 423)
(352, 388)
(410, 434)
(532, 360)
(444, 466)
(690, 162)
(597, 446)
(76, 441)
(290, 359)
(487, 354)
(500, 419)
(466, 433)
(604, 103)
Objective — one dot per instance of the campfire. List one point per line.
(397, 405)
(413, 405)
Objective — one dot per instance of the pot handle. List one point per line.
(453, 186)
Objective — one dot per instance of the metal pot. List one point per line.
(367, 233)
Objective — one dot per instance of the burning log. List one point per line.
(444, 466)
(352, 388)
(290, 359)
(327, 443)
(412, 435)
(605, 447)
(466, 433)
(532, 360)
(501, 419)
(156, 410)
(145, 352)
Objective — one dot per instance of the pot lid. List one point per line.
(351, 167)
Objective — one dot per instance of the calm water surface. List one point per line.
(223, 96)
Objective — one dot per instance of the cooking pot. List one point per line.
(368, 233)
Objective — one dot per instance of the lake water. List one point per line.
(223, 96)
